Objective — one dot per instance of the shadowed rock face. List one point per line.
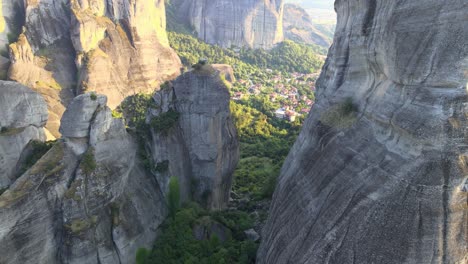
(251, 23)
(202, 148)
(65, 48)
(88, 200)
(381, 178)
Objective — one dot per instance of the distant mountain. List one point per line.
(299, 26)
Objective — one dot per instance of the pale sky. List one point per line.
(322, 4)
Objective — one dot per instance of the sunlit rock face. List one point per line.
(64, 48)
(227, 23)
(381, 177)
(122, 47)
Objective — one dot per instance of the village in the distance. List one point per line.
(292, 95)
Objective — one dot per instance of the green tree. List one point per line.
(173, 196)
(142, 255)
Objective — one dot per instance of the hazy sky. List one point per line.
(322, 4)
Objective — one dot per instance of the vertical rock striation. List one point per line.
(251, 23)
(201, 148)
(381, 177)
(122, 48)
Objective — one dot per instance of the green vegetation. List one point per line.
(165, 121)
(142, 255)
(38, 149)
(256, 176)
(177, 243)
(173, 198)
(162, 166)
(286, 57)
(134, 110)
(88, 162)
(93, 96)
(264, 143)
(342, 115)
(116, 114)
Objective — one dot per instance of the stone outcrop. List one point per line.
(88, 200)
(43, 57)
(244, 23)
(125, 57)
(22, 119)
(378, 173)
(298, 26)
(65, 48)
(201, 148)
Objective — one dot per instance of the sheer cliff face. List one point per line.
(251, 23)
(381, 178)
(113, 47)
(202, 149)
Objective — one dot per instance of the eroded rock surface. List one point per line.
(88, 200)
(22, 119)
(64, 48)
(201, 148)
(381, 177)
(251, 23)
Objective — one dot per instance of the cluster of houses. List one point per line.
(293, 104)
(286, 114)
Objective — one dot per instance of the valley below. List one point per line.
(233, 132)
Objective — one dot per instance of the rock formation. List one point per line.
(24, 114)
(88, 200)
(251, 23)
(379, 171)
(201, 148)
(298, 26)
(65, 48)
